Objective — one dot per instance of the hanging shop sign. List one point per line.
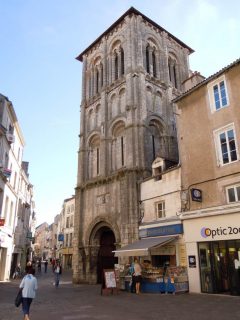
(162, 231)
(61, 237)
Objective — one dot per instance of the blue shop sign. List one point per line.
(61, 237)
(162, 231)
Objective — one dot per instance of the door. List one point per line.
(106, 259)
(220, 267)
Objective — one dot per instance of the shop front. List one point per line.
(162, 255)
(213, 250)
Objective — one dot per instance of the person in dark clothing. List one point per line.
(57, 273)
(45, 265)
(39, 266)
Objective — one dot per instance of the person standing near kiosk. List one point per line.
(137, 275)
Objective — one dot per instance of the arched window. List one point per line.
(122, 100)
(90, 120)
(172, 69)
(122, 61)
(158, 103)
(116, 66)
(147, 59)
(154, 144)
(97, 81)
(101, 75)
(118, 146)
(97, 115)
(153, 148)
(149, 99)
(113, 112)
(154, 63)
(94, 157)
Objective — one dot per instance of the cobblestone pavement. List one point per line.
(77, 302)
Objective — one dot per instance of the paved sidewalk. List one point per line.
(77, 302)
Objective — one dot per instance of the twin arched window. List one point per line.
(155, 145)
(94, 157)
(118, 59)
(95, 79)
(151, 66)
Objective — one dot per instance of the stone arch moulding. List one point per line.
(117, 122)
(92, 136)
(172, 54)
(98, 223)
(158, 121)
(122, 90)
(152, 39)
(97, 58)
(115, 42)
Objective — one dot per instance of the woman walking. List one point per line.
(29, 286)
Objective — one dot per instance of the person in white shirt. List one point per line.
(137, 275)
(29, 286)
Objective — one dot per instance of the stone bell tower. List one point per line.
(130, 74)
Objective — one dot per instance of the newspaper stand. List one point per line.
(109, 283)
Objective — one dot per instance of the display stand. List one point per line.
(109, 282)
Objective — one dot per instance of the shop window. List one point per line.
(233, 193)
(160, 209)
(226, 145)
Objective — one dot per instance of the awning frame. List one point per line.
(144, 249)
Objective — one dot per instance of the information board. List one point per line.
(110, 278)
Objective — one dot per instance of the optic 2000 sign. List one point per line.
(207, 232)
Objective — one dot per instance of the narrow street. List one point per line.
(75, 302)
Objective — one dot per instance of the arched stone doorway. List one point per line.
(104, 237)
(105, 259)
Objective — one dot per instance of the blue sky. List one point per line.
(39, 73)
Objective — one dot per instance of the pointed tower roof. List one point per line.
(132, 11)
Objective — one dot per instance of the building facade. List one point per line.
(25, 223)
(209, 131)
(130, 74)
(11, 176)
(66, 229)
(42, 250)
(161, 207)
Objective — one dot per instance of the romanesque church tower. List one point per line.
(130, 74)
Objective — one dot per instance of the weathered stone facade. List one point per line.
(130, 74)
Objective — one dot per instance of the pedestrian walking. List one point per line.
(45, 265)
(39, 266)
(57, 273)
(17, 272)
(29, 287)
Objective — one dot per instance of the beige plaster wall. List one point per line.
(196, 123)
